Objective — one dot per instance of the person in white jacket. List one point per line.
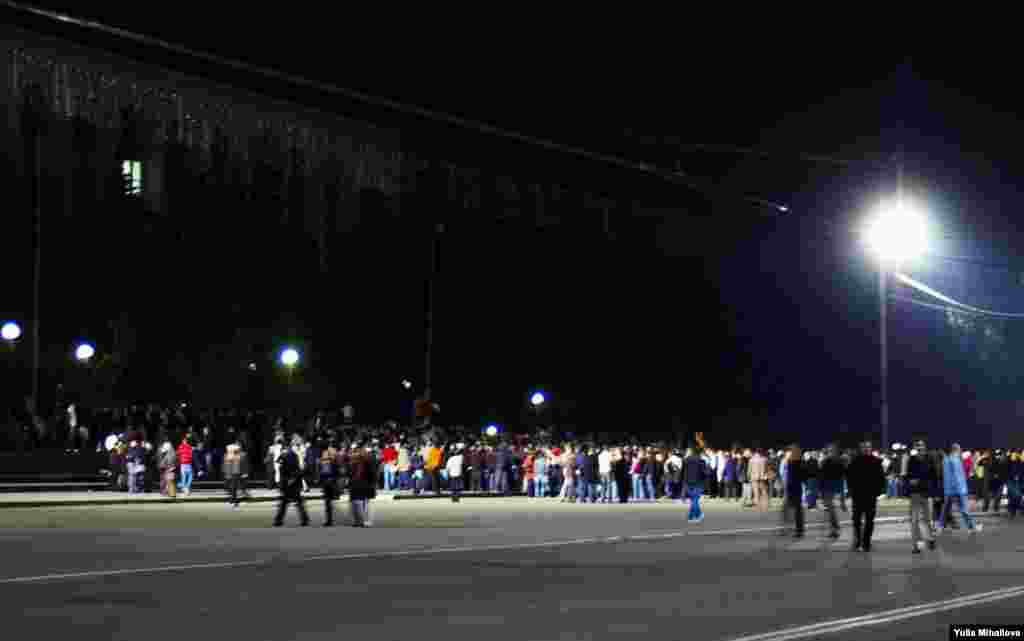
(454, 469)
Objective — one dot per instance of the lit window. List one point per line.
(132, 170)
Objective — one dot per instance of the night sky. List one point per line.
(777, 317)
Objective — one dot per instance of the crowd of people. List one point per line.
(361, 460)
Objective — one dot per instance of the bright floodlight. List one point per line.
(537, 398)
(492, 430)
(10, 332)
(407, 384)
(289, 357)
(84, 352)
(898, 233)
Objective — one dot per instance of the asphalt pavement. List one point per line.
(507, 568)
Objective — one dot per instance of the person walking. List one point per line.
(867, 481)
(917, 479)
(290, 469)
(996, 474)
(954, 481)
(1014, 478)
(793, 505)
(832, 473)
(758, 473)
(329, 469)
(696, 473)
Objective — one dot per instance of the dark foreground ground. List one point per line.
(487, 568)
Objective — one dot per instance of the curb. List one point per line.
(160, 501)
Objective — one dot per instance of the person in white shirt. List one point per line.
(454, 469)
(609, 490)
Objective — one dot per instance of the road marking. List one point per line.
(888, 616)
(384, 554)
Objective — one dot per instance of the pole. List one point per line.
(883, 309)
(38, 260)
(429, 346)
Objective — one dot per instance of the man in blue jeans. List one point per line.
(695, 474)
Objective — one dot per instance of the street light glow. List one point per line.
(492, 430)
(10, 331)
(407, 384)
(289, 357)
(537, 399)
(84, 352)
(897, 233)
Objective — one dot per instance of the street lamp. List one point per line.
(84, 352)
(407, 384)
(290, 358)
(492, 430)
(537, 399)
(10, 332)
(897, 233)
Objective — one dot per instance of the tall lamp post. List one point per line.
(898, 233)
(289, 358)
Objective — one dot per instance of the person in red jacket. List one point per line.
(389, 459)
(185, 459)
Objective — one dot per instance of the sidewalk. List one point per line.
(57, 498)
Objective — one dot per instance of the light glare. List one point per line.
(537, 398)
(84, 352)
(289, 357)
(10, 332)
(898, 233)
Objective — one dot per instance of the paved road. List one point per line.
(509, 568)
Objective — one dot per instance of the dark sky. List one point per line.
(799, 293)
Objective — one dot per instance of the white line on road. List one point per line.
(888, 616)
(385, 554)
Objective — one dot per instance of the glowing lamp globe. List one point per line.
(492, 430)
(897, 233)
(537, 399)
(10, 332)
(84, 352)
(289, 357)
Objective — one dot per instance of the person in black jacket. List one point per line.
(620, 471)
(793, 507)
(866, 481)
(696, 473)
(291, 484)
(917, 478)
(832, 472)
(996, 474)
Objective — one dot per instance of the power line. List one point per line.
(949, 301)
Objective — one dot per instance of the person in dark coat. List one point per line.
(329, 472)
(291, 484)
(996, 474)
(796, 476)
(620, 471)
(867, 482)
(362, 484)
